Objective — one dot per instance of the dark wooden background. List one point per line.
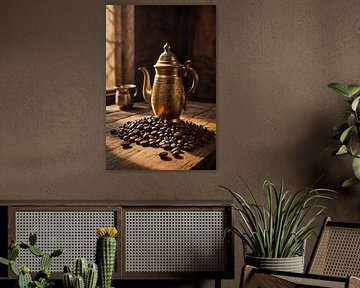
(191, 32)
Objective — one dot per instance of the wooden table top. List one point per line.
(140, 158)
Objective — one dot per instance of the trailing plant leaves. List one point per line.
(351, 120)
(354, 145)
(349, 182)
(356, 167)
(353, 89)
(345, 134)
(340, 127)
(342, 150)
(340, 88)
(355, 103)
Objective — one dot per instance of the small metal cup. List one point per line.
(125, 95)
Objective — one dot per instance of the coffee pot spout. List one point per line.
(146, 85)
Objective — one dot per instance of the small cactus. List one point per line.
(80, 268)
(106, 254)
(79, 282)
(91, 276)
(68, 280)
(84, 274)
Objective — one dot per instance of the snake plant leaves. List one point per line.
(279, 228)
(355, 103)
(342, 150)
(341, 89)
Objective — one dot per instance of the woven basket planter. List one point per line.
(291, 264)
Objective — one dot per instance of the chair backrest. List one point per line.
(337, 251)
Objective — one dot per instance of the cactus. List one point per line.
(45, 261)
(13, 253)
(36, 251)
(81, 267)
(105, 254)
(14, 268)
(42, 278)
(57, 252)
(44, 273)
(68, 280)
(79, 282)
(32, 238)
(91, 276)
(24, 280)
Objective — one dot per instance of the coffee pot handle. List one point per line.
(195, 80)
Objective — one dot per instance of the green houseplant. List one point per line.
(275, 233)
(348, 132)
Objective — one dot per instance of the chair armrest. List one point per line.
(254, 277)
(354, 282)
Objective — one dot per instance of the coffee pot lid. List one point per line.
(167, 58)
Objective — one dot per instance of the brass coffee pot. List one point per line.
(167, 96)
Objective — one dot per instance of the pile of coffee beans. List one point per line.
(174, 137)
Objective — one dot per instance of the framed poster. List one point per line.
(160, 87)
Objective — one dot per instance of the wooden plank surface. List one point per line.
(140, 158)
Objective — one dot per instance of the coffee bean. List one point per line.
(125, 144)
(163, 155)
(166, 147)
(144, 143)
(157, 132)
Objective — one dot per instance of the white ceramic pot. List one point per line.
(291, 264)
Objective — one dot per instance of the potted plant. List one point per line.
(276, 233)
(348, 132)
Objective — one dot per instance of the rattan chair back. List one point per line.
(337, 252)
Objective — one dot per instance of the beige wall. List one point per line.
(275, 112)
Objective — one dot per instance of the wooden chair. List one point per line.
(335, 262)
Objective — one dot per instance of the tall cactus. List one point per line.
(106, 254)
